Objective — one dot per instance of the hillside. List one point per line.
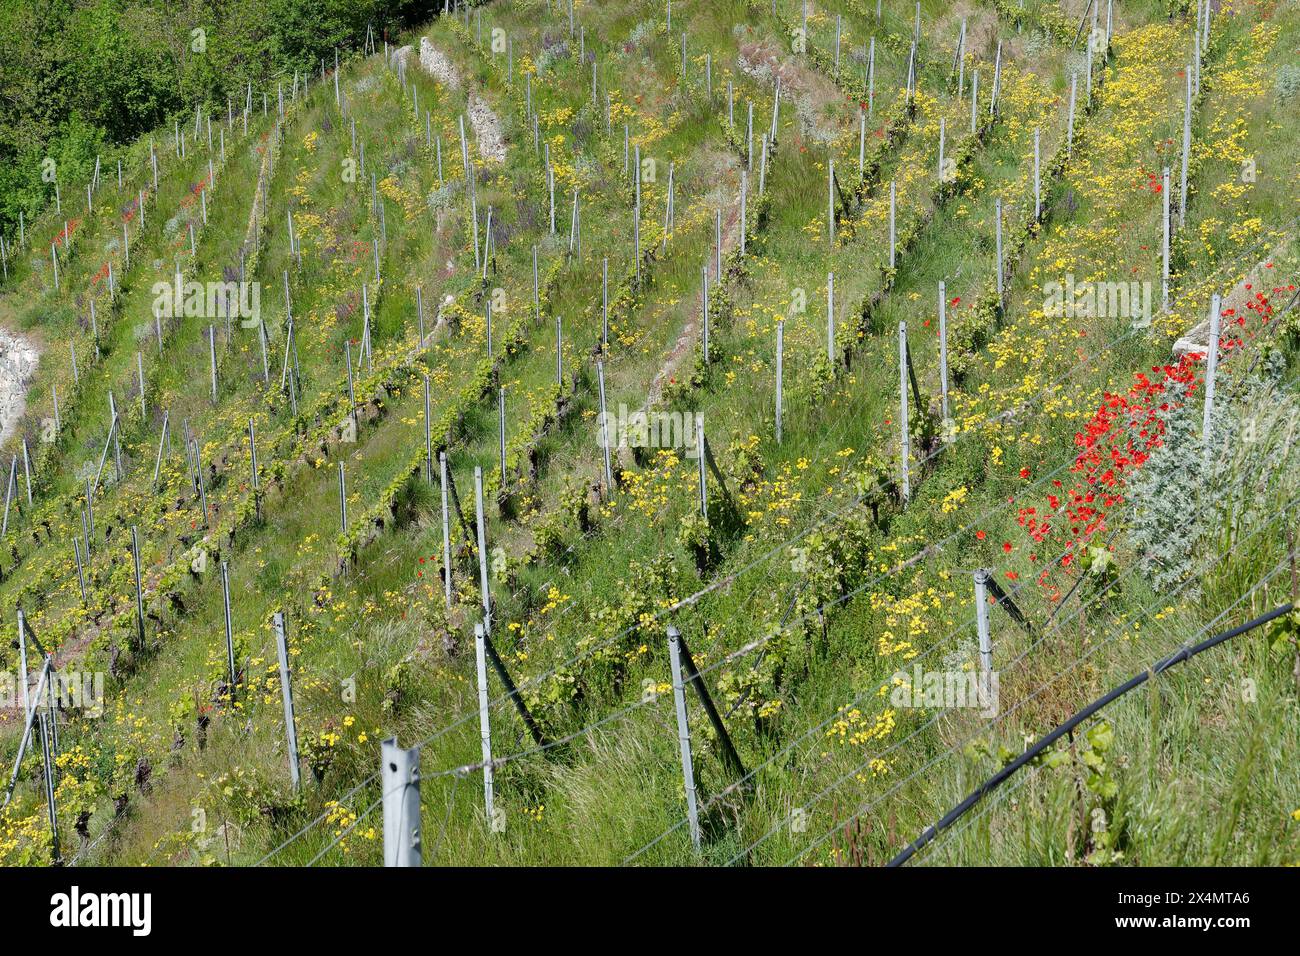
(783, 327)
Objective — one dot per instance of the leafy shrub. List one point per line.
(1167, 495)
(1288, 82)
(1182, 495)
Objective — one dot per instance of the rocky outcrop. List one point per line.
(18, 360)
(484, 122)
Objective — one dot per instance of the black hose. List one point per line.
(1183, 654)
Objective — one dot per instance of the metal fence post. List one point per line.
(941, 138)
(893, 203)
(904, 431)
(943, 350)
(704, 487)
(982, 623)
(286, 692)
(997, 216)
(252, 467)
(81, 575)
(48, 763)
(139, 592)
(501, 431)
(830, 318)
(1211, 364)
(484, 724)
(1164, 260)
(684, 734)
(198, 473)
(1069, 129)
(428, 431)
(1187, 145)
(482, 549)
(343, 499)
(780, 372)
(692, 673)
(230, 635)
(446, 528)
(22, 665)
(604, 429)
(212, 353)
(704, 305)
(1038, 178)
(830, 202)
(400, 780)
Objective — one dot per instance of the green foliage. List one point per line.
(1166, 491)
(1288, 82)
(83, 77)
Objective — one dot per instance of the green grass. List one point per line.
(811, 594)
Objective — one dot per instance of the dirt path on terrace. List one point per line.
(484, 122)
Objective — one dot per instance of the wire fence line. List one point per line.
(319, 819)
(951, 750)
(859, 768)
(342, 834)
(460, 771)
(1186, 652)
(1002, 797)
(861, 696)
(758, 643)
(934, 719)
(1050, 681)
(732, 577)
(606, 719)
(805, 735)
(464, 770)
(446, 820)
